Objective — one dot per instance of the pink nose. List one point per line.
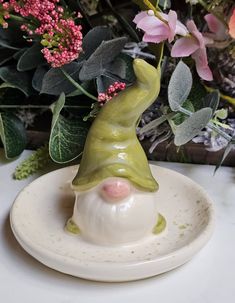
(116, 190)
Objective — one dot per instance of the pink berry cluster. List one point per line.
(61, 36)
(4, 13)
(111, 92)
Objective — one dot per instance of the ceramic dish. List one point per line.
(41, 210)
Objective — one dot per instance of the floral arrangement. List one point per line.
(70, 57)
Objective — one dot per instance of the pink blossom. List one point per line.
(111, 92)
(231, 25)
(156, 30)
(60, 36)
(194, 45)
(217, 28)
(4, 13)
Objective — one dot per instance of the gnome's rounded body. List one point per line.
(115, 190)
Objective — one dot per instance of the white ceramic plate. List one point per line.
(41, 210)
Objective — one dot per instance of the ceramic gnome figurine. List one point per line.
(116, 200)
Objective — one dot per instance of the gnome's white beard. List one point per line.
(115, 222)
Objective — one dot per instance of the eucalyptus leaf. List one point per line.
(157, 51)
(179, 86)
(226, 152)
(97, 63)
(54, 81)
(192, 126)
(117, 67)
(86, 85)
(12, 37)
(212, 100)
(94, 38)
(181, 117)
(16, 79)
(67, 136)
(6, 55)
(38, 76)
(103, 83)
(13, 135)
(31, 58)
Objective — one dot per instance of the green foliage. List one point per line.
(54, 82)
(67, 136)
(37, 161)
(99, 62)
(31, 58)
(212, 100)
(180, 117)
(13, 135)
(224, 155)
(93, 39)
(179, 86)
(12, 38)
(16, 79)
(191, 127)
(6, 55)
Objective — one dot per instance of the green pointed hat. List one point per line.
(112, 148)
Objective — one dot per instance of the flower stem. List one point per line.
(154, 9)
(78, 86)
(17, 18)
(138, 53)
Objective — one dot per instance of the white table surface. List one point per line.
(208, 278)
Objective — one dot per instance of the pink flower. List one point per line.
(217, 28)
(156, 30)
(60, 35)
(111, 92)
(231, 25)
(194, 45)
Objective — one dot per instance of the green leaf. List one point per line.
(212, 100)
(103, 83)
(192, 126)
(6, 55)
(180, 117)
(93, 39)
(96, 65)
(67, 136)
(54, 81)
(38, 77)
(16, 79)
(179, 86)
(12, 37)
(129, 71)
(157, 51)
(224, 156)
(31, 58)
(85, 85)
(13, 135)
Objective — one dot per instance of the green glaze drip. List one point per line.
(112, 148)
(72, 227)
(160, 226)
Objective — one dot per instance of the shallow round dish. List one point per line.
(40, 211)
